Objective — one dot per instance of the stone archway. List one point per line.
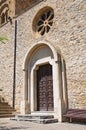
(38, 55)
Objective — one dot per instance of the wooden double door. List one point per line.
(45, 88)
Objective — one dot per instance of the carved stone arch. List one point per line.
(43, 53)
(4, 13)
(37, 45)
(4, 8)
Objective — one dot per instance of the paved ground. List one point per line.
(6, 124)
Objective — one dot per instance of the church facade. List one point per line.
(43, 63)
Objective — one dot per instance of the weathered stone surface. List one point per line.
(68, 33)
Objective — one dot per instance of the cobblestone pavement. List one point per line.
(7, 124)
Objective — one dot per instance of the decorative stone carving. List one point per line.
(45, 22)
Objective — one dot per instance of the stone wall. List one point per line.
(68, 33)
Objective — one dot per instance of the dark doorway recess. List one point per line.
(45, 88)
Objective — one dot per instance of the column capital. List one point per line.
(24, 69)
(57, 61)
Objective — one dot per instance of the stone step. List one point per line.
(42, 113)
(30, 116)
(6, 115)
(36, 118)
(6, 111)
(3, 103)
(4, 107)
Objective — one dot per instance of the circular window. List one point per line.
(44, 21)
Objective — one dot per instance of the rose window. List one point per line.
(44, 22)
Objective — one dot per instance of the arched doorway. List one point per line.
(44, 81)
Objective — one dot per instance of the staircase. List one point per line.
(6, 110)
(43, 119)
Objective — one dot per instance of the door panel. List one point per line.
(44, 88)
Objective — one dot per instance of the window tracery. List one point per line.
(4, 12)
(44, 21)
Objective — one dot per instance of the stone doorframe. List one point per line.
(33, 59)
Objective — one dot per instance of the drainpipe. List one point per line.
(14, 66)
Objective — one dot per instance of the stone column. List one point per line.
(32, 90)
(33, 85)
(25, 102)
(65, 94)
(57, 88)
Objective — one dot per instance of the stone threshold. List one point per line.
(42, 119)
